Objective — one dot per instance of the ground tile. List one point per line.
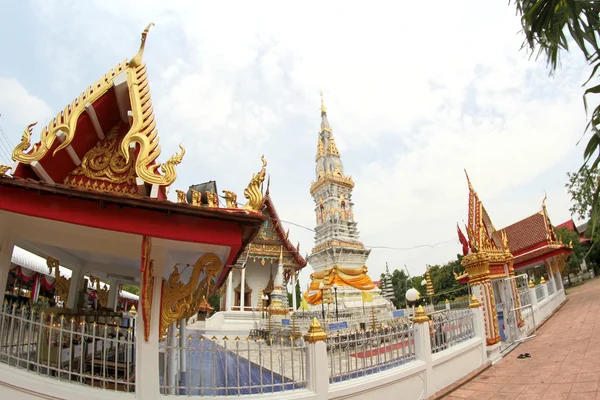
(582, 396)
(462, 393)
(582, 387)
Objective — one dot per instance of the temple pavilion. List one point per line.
(498, 266)
(339, 257)
(258, 265)
(91, 195)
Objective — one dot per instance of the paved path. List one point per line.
(565, 357)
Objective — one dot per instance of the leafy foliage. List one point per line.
(577, 255)
(546, 24)
(132, 289)
(215, 301)
(581, 188)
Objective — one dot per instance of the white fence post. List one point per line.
(479, 326)
(317, 368)
(423, 348)
(532, 295)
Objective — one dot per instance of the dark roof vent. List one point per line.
(210, 186)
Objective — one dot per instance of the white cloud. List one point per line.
(412, 100)
(19, 107)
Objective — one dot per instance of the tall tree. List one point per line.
(548, 25)
(577, 255)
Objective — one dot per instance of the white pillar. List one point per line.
(146, 355)
(172, 358)
(317, 369)
(243, 291)
(184, 342)
(113, 294)
(74, 287)
(479, 324)
(294, 290)
(36, 293)
(229, 297)
(6, 249)
(423, 349)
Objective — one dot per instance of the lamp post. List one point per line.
(264, 298)
(335, 287)
(424, 284)
(412, 295)
(321, 287)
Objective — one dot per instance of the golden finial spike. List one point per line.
(544, 201)
(280, 254)
(136, 61)
(323, 109)
(468, 180)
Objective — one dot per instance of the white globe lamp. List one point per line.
(412, 294)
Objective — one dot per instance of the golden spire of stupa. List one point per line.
(323, 109)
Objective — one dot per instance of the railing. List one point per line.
(68, 350)
(233, 367)
(550, 286)
(362, 353)
(449, 328)
(539, 292)
(459, 304)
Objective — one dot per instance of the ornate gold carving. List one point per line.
(196, 198)
(143, 132)
(136, 60)
(184, 300)
(62, 284)
(253, 192)
(320, 149)
(147, 284)
(542, 281)
(212, 199)
(101, 292)
(474, 303)
(345, 181)
(65, 121)
(332, 148)
(104, 162)
(323, 109)
(336, 243)
(477, 266)
(4, 169)
(181, 197)
(315, 332)
(420, 316)
(230, 199)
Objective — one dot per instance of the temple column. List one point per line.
(243, 291)
(7, 245)
(184, 343)
(477, 266)
(36, 288)
(229, 296)
(74, 287)
(147, 374)
(294, 290)
(113, 294)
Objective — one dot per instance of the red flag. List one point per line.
(463, 241)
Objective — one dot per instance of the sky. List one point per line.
(415, 94)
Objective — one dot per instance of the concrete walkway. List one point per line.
(565, 357)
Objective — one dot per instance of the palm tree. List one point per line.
(548, 25)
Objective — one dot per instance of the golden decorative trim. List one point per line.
(181, 197)
(320, 149)
(332, 148)
(542, 281)
(102, 293)
(230, 199)
(474, 303)
(105, 163)
(65, 121)
(180, 300)
(531, 285)
(143, 132)
(62, 284)
(477, 267)
(212, 200)
(196, 198)
(420, 316)
(253, 192)
(4, 169)
(338, 243)
(136, 60)
(315, 332)
(147, 284)
(345, 181)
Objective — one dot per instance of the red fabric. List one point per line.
(46, 284)
(463, 241)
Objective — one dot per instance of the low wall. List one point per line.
(408, 380)
(457, 362)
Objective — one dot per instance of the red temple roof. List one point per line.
(526, 234)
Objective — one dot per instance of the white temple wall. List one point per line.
(257, 276)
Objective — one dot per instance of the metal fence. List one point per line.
(232, 367)
(550, 286)
(68, 349)
(361, 353)
(449, 328)
(539, 292)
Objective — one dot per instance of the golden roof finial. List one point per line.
(323, 109)
(544, 200)
(280, 254)
(136, 61)
(469, 181)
